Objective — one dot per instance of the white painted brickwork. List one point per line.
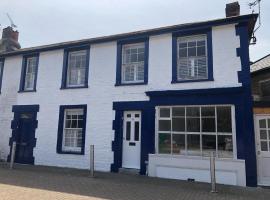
(101, 93)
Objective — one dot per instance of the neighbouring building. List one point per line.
(260, 79)
(159, 99)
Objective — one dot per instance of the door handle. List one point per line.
(23, 143)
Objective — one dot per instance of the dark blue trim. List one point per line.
(2, 71)
(23, 72)
(18, 110)
(248, 135)
(251, 18)
(190, 32)
(120, 44)
(65, 66)
(61, 127)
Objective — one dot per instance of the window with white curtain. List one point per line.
(76, 69)
(30, 73)
(192, 58)
(133, 63)
(195, 130)
(73, 130)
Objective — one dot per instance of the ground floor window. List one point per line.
(71, 133)
(195, 130)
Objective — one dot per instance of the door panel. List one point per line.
(262, 131)
(131, 140)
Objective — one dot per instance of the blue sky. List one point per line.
(52, 21)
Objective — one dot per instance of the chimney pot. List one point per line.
(232, 9)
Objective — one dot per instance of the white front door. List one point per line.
(262, 130)
(132, 140)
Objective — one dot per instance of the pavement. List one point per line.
(51, 183)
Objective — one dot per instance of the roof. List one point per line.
(261, 64)
(251, 19)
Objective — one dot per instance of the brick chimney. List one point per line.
(232, 9)
(9, 41)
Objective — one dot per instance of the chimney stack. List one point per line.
(232, 9)
(9, 41)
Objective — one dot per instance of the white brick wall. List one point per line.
(101, 93)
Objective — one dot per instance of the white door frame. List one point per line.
(262, 156)
(131, 151)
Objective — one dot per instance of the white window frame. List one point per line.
(32, 74)
(135, 65)
(79, 78)
(233, 134)
(68, 148)
(192, 38)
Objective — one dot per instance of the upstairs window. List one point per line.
(132, 62)
(75, 73)
(29, 73)
(1, 72)
(192, 58)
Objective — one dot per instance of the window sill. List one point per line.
(25, 91)
(76, 87)
(71, 152)
(127, 84)
(188, 81)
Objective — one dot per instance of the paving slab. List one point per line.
(51, 183)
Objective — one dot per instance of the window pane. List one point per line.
(137, 131)
(208, 111)
(164, 125)
(263, 135)
(192, 51)
(193, 124)
(178, 111)
(183, 53)
(264, 146)
(224, 121)
(128, 129)
(201, 51)
(178, 144)
(262, 123)
(193, 111)
(178, 124)
(225, 146)
(208, 144)
(193, 144)
(164, 112)
(208, 125)
(164, 143)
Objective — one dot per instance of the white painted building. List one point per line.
(168, 96)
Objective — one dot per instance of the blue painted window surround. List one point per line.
(192, 32)
(68, 121)
(119, 72)
(29, 73)
(2, 62)
(65, 77)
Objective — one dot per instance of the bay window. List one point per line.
(195, 130)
